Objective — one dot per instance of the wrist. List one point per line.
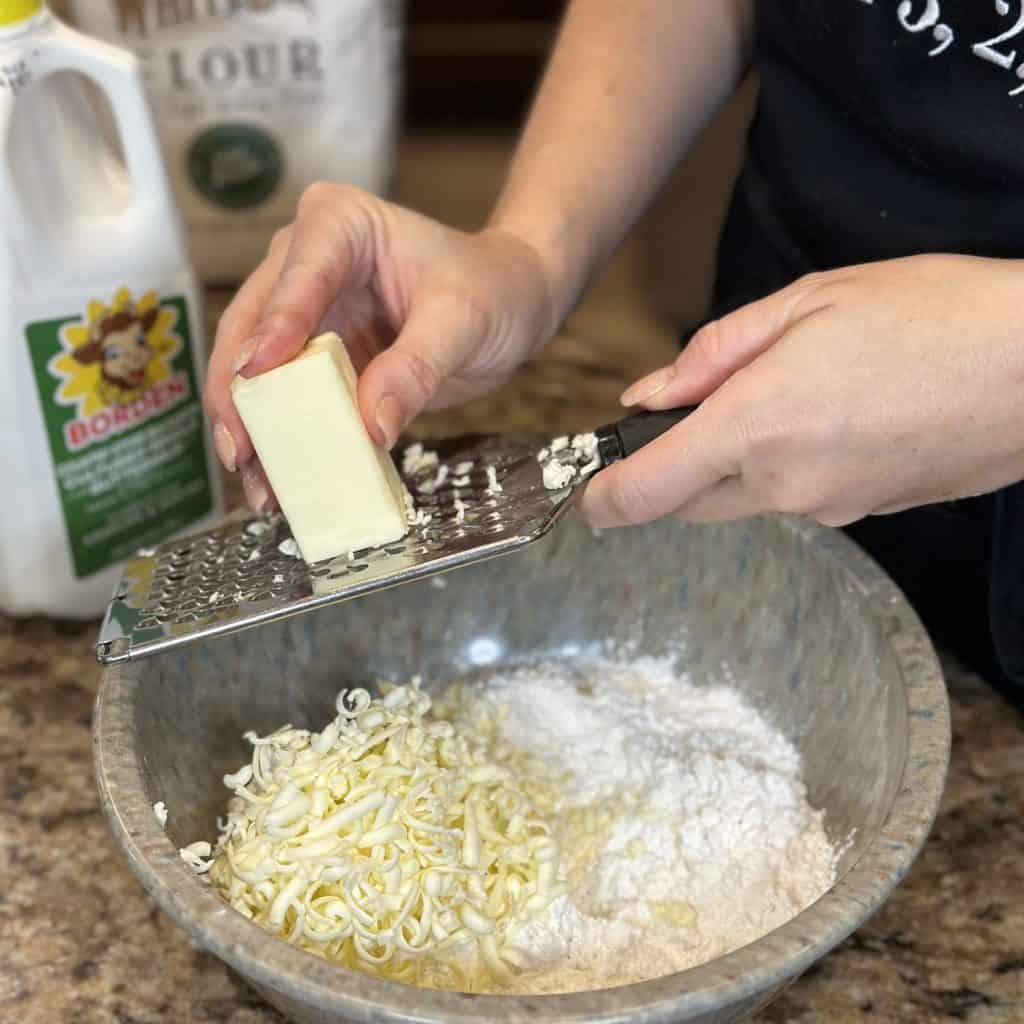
(560, 255)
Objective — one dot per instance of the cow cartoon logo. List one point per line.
(116, 354)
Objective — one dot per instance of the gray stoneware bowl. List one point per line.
(804, 623)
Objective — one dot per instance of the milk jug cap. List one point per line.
(13, 11)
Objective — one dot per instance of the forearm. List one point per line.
(630, 87)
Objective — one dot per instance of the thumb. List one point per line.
(435, 343)
(329, 250)
(721, 347)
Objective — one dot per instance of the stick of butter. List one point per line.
(338, 490)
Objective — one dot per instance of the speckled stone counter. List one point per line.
(80, 942)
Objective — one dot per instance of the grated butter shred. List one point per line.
(391, 842)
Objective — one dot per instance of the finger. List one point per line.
(236, 324)
(739, 498)
(729, 499)
(837, 517)
(458, 391)
(331, 249)
(438, 339)
(723, 346)
(690, 459)
(256, 487)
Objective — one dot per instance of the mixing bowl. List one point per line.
(793, 615)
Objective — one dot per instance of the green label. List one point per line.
(118, 394)
(235, 165)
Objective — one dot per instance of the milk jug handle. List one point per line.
(116, 72)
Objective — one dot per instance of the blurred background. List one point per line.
(471, 68)
(468, 70)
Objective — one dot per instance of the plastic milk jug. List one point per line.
(103, 446)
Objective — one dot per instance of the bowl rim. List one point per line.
(761, 966)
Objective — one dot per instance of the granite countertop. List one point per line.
(80, 942)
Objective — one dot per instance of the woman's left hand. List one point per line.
(859, 391)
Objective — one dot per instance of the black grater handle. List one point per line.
(619, 440)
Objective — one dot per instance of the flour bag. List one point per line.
(256, 99)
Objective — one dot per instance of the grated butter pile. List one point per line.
(391, 842)
(568, 458)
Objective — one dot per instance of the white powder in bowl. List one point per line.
(686, 827)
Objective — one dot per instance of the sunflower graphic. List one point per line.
(116, 354)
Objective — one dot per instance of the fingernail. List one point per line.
(224, 443)
(647, 387)
(389, 419)
(256, 492)
(245, 354)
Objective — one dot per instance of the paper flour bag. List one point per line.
(256, 99)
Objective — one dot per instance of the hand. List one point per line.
(860, 391)
(430, 316)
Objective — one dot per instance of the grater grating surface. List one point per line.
(237, 576)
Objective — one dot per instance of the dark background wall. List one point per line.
(475, 59)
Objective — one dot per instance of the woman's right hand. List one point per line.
(431, 316)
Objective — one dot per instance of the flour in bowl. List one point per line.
(684, 825)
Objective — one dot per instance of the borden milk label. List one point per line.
(119, 397)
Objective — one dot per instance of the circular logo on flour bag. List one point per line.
(236, 166)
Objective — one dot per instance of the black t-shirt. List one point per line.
(887, 129)
(883, 132)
